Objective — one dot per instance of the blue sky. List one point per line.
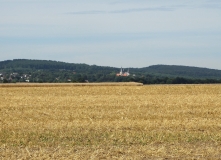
(128, 33)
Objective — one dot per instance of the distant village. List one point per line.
(16, 77)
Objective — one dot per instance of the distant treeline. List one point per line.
(42, 71)
(44, 78)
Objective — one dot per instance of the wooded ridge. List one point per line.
(24, 70)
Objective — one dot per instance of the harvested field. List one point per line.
(110, 122)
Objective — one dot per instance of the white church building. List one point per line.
(122, 73)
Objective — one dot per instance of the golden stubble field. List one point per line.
(111, 122)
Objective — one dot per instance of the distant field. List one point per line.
(70, 84)
(112, 122)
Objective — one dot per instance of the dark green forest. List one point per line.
(44, 71)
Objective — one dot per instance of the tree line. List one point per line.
(42, 71)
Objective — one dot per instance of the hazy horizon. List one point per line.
(113, 33)
(112, 66)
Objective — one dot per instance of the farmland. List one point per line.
(110, 122)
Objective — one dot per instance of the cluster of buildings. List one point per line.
(15, 76)
(122, 73)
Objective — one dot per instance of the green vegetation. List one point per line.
(23, 70)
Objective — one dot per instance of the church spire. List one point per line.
(121, 71)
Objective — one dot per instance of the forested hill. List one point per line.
(20, 70)
(24, 64)
(182, 71)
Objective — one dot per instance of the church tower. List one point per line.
(121, 71)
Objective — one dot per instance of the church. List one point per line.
(122, 73)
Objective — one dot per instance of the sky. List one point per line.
(127, 33)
